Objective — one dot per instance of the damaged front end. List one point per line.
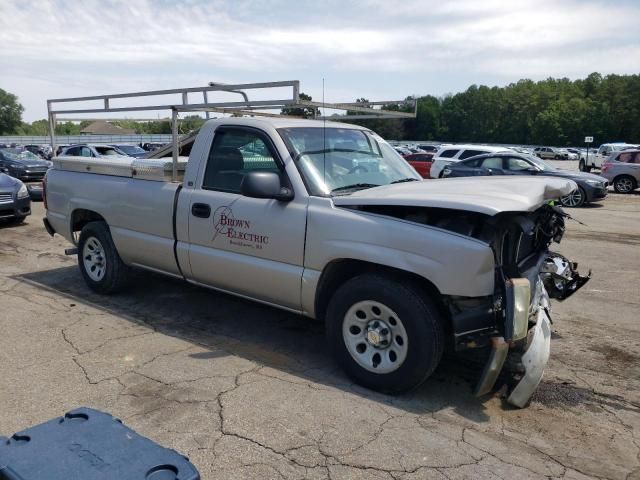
(527, 275)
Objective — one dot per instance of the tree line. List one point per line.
(558, 112)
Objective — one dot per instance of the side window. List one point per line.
(637, 158)
(492, 162)
(469, 153)
(472, 163)
(516, 164)
(73, 151)
(233, 154)
(449, 153)
(626, 157)
(85, 152)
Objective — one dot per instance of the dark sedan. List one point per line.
(23, 164)
(15, 203)
(591, 188)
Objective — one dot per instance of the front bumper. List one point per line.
(20, 207)
(534, 360)
(558, 278)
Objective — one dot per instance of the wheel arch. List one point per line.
(339, 271)
(82, 216)
(621, 175)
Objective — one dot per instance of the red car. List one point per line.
(421, 162)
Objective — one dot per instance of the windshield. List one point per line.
(130, 149)
(19, 155)
(541, 164)
(342, 160)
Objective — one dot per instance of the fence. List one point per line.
(70, 139)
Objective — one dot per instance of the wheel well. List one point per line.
(339, 271)
(635, 182)
(81, 216)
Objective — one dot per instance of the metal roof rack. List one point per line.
(249, 107)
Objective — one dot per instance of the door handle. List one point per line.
(201, 210)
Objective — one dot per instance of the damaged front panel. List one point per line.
(515, 320)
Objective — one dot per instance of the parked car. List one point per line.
(454, 153)
(15, 203)
(403, 151)
(23, 165)
(551, 153)
(36, 150)
(131, 150)
(421, 162)
(429, 148)
(150, 146)
(590, 188)
(92, 150)
(623, 170)
(568, 154)
(602, 155)
(337, 233)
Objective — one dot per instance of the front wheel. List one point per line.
(574, 199)
(100, 264)
(387, 335)
(624, 184)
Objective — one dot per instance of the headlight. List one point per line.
(23, 192)
(518, 299)
(594, 183)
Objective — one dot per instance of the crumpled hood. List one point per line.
(488, 195)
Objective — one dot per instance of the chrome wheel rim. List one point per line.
(375, 337)
(93, 258)
(573, 199)
(624, 185)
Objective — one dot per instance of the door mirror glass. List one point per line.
(259, 184)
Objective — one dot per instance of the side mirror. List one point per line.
(4, 170)
(265, 185)
(533, 170)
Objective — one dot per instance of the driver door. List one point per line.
(250, 246)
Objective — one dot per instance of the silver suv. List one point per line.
(623, 170)
(550, 153)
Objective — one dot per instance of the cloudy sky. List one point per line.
(378, 49)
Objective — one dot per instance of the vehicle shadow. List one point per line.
(11, 223)
(288, 343)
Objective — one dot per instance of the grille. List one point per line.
(6, 197)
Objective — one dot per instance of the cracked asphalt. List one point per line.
(246, 391)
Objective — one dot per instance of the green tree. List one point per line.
(304, 112)
(10, 113)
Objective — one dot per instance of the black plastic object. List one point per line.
(87, 444)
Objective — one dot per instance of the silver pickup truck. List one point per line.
(328, 221)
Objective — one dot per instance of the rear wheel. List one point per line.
(574, 199)
(387, 335)
(624, 184)
(100, 264)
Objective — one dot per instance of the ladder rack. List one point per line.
(245, 107)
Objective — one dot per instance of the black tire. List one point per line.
(624, 184)
(568, 203)
(116, 273)
(416, 313)
(557, 157)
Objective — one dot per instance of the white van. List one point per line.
(454, 153)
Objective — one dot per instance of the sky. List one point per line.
(377, 49)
